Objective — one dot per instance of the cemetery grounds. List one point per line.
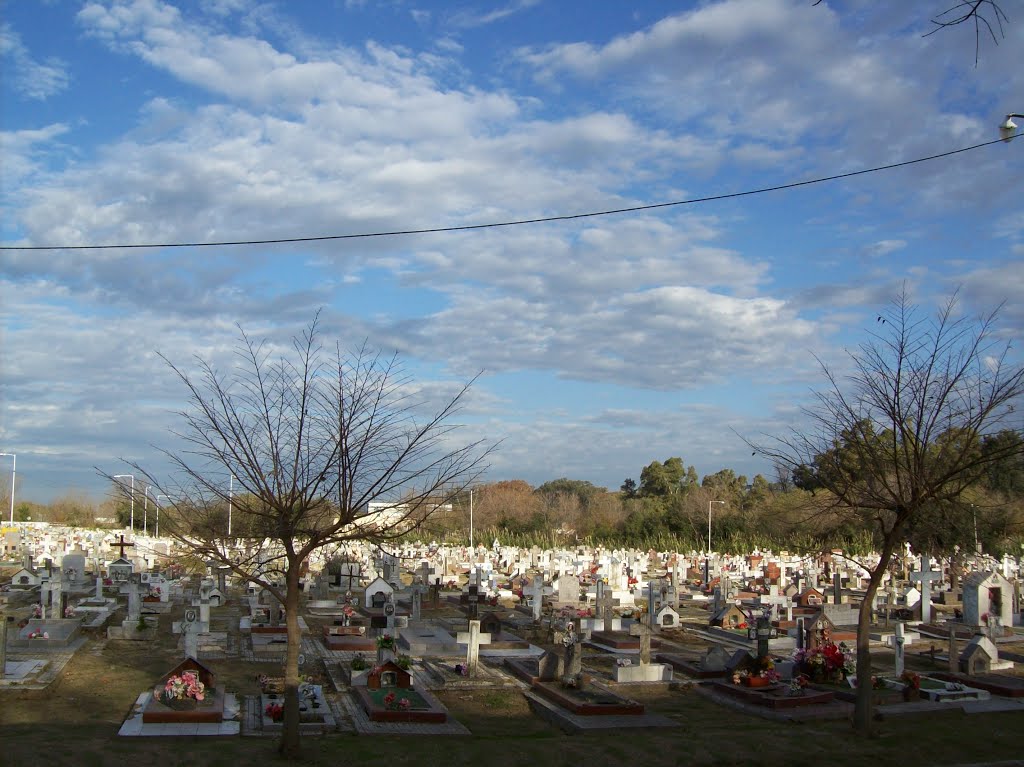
(75, 723)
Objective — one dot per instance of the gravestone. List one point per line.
(573, 672)
(926, 575)
(536, 593)
(3, 645)
(643, 630)
(473, 639)
(898, 645)
(190, 634)
(568, 590)
(604, 603)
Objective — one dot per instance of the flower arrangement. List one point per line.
(798, 683)
(359, 663)
(37, 611)
(69, 612)
(404, 662)
(385, 642)
(877, 683)
(348, 611)
(39, 634)
(275, 711)
(911, 680)
(185, 686)
(828, 661)
(395, 703)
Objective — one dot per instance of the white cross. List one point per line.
(473, 639)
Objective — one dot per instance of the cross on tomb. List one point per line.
(536, 593)
(642, 630)
(473, 639)
(926, 575)
(122, 545)
(604, 603)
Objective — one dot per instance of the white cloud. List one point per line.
(35, 80)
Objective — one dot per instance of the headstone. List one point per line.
(190, 635)
(643, 630)
(604, 604)
(536, 593)
(568, 589)
(926, 575)
(3, 645)
(573, 655)
(898, 646)
(417, 602)
(473, 639)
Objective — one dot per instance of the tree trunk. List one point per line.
(862, 712)
(290, 746)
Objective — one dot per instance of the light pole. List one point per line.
(1008, 128)
(471, 518)
(145, 511)
(231, 495)
(14, 464)
(122, 476)
(156, 501)
(710, 503)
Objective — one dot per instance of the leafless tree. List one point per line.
(901, 435)
(305, 440)
(985, 14)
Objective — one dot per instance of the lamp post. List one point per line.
(122, 476)
(231, 496)
(145, 511)
(710, 503)
(14, 464)
(1008, 128)
(156, 501)
(471, 518)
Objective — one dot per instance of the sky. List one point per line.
(603, 342)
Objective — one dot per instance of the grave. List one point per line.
(315, 714)
(389, 696)
(47, 633)
(348, 639)
(162, 708)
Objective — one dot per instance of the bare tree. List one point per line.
(901, 436)
(306, 441)
(985, 14)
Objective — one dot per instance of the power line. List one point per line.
(518, 222)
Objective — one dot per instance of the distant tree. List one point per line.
(662, 480)
(901, 436)
(628, 488)
(310, 439)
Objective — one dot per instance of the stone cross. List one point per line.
(134, 604)
(604, 603)
(99, 581)
(3, 645)
(191, 637)
(801, 638)
(898, 644)
(926, 575)
(650, 603)
(474, 602)
(837, 589)
(642, 630)
(536, 593)
(417, 601)
(473, 639)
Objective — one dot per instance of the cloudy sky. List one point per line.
(605, 342)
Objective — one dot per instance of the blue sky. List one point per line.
(605, 342)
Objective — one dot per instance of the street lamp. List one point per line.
(14, 463)
(156, 501)
(471, 519)
(1008, 129)
(709, 524)
(122, 476)
(231, 495)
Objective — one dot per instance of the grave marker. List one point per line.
(926, 575)
(473, 639)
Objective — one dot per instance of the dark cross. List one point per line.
(122, 545)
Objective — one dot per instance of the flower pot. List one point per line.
(756, 681)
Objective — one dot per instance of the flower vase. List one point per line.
(756, 681)
(911, 693)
